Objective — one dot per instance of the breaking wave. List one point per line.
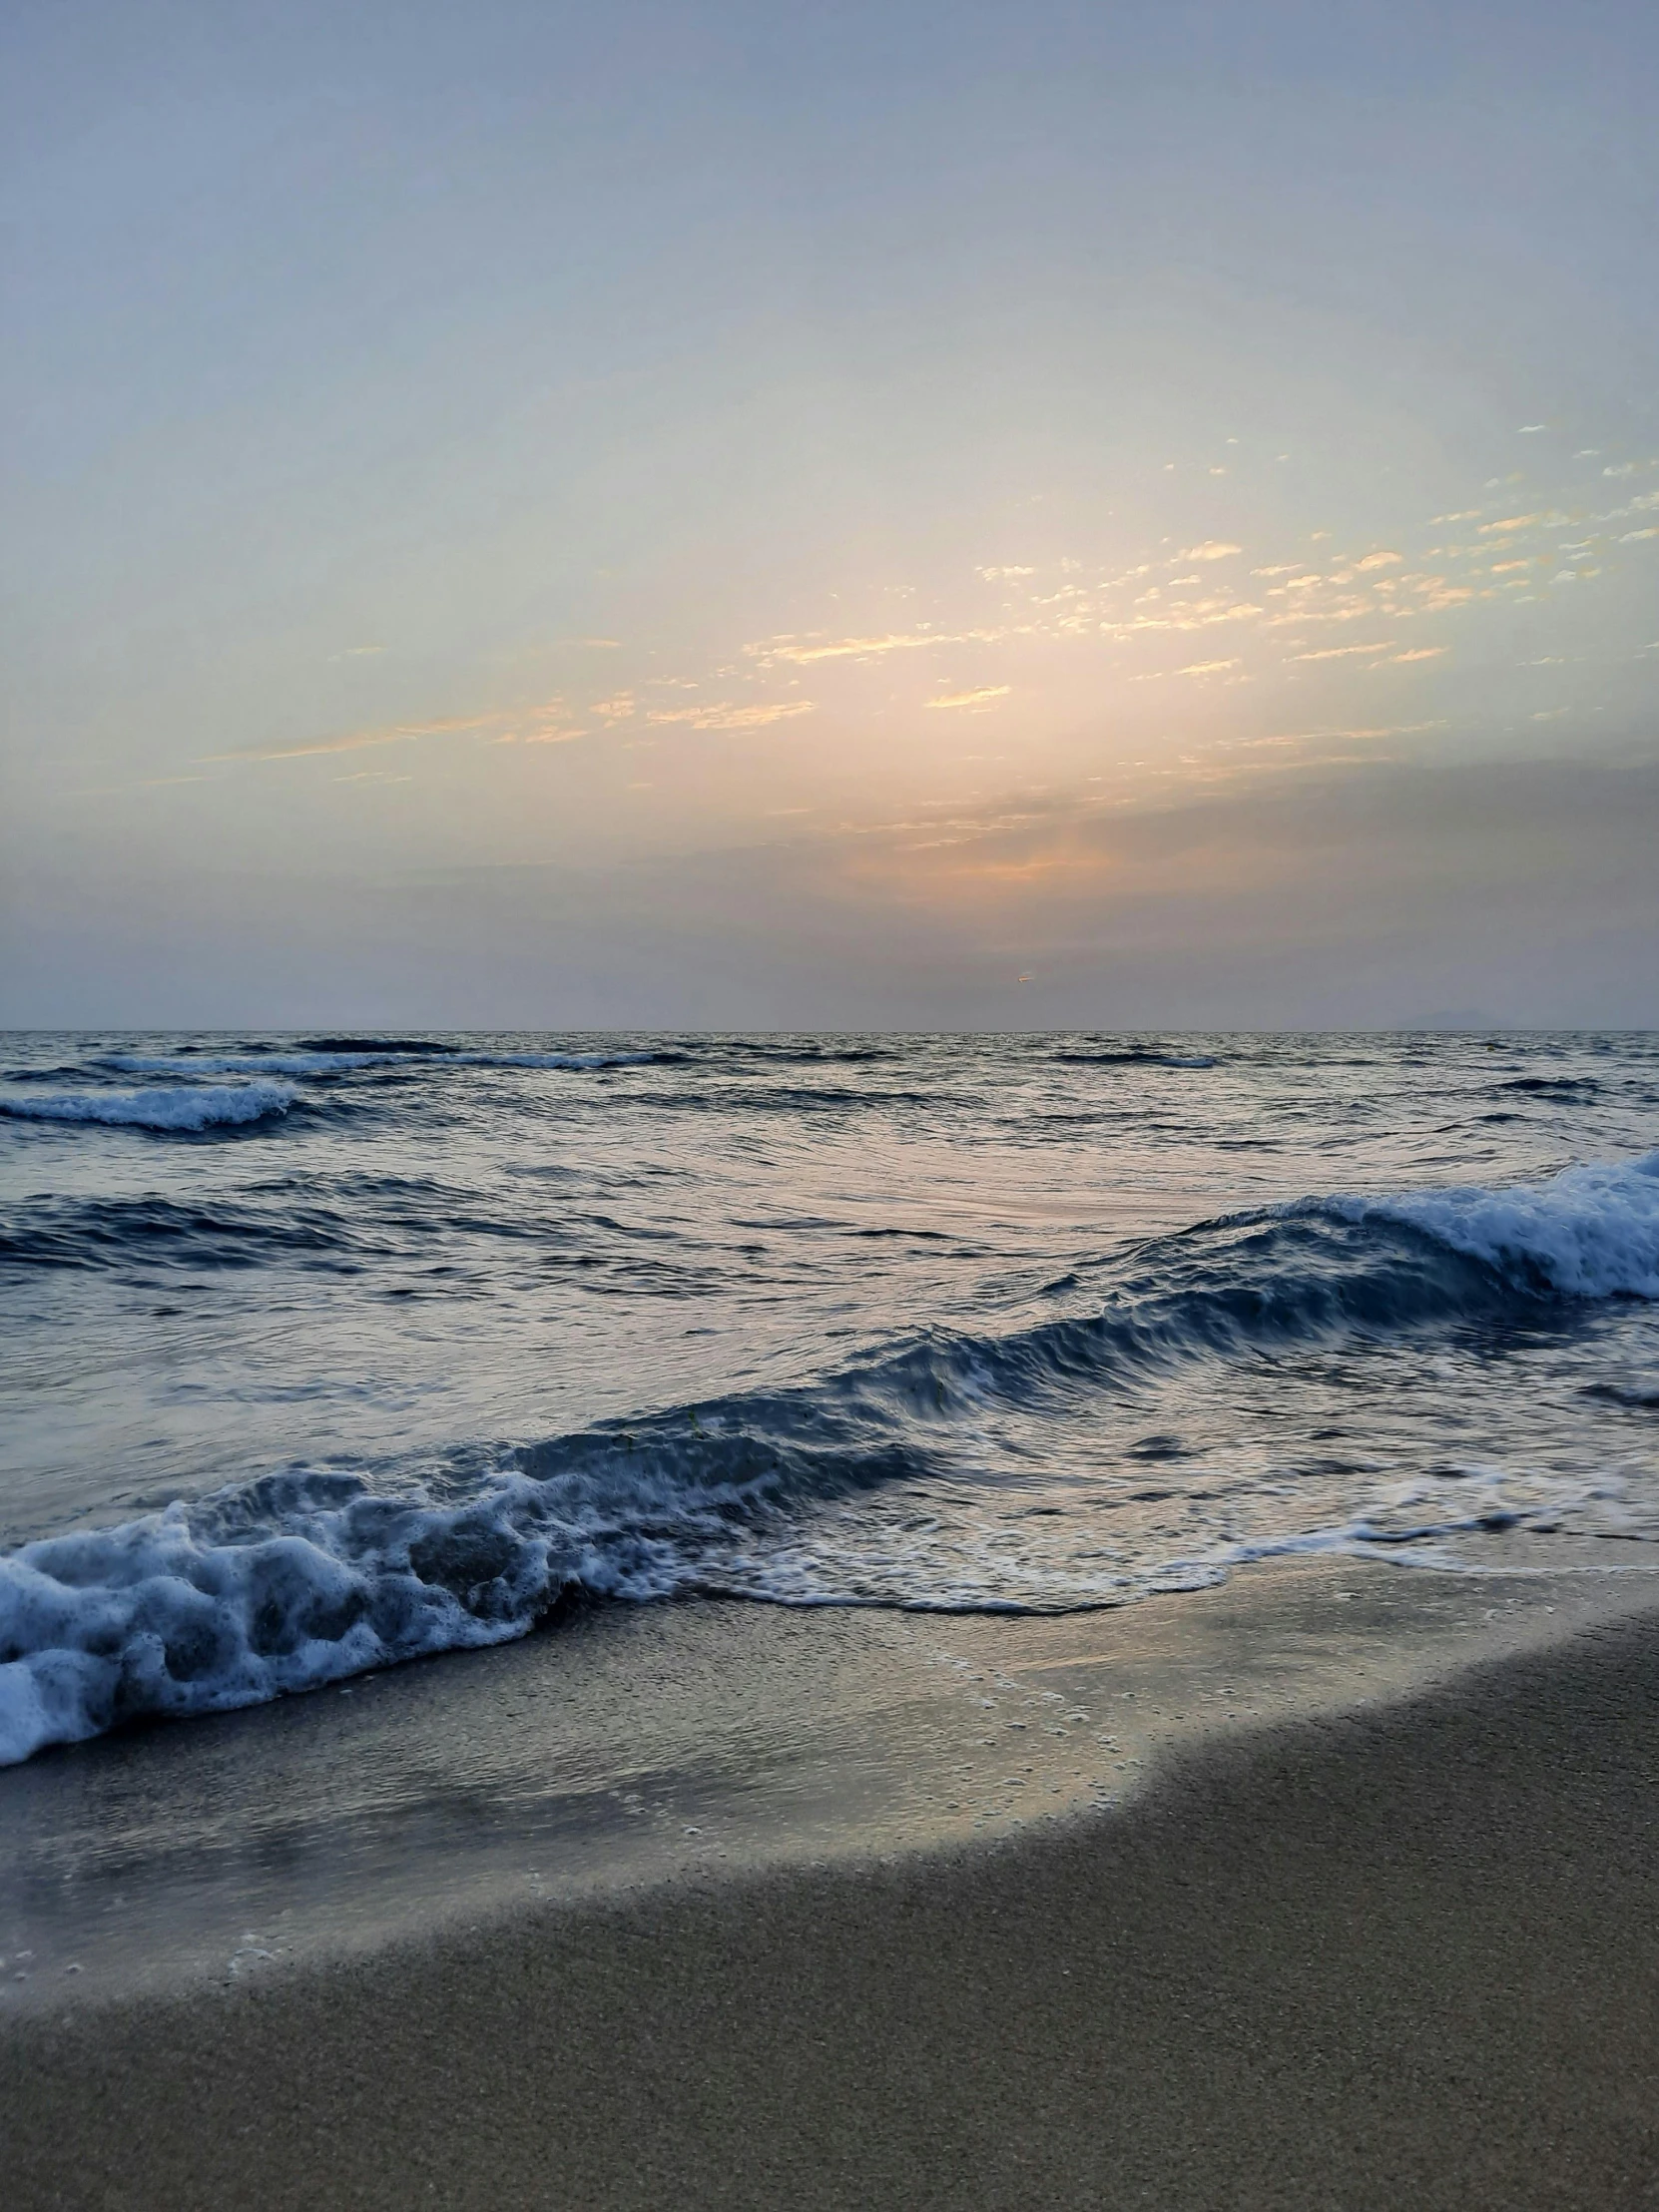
(209, 1106)
(305, 1576)
(1590, 1232)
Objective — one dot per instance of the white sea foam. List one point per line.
(1590, 1232)
(203, 1609)
(196, 1107)
(148, 1617)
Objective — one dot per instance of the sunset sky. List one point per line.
(920, 515)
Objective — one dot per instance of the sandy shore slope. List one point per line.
(1404, 1958)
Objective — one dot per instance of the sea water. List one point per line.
(323, 1352)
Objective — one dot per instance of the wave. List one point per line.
(1137, 1059)
(151, 1232)
(807, 1052)
(220, 1105)
(803, 1098)
(334, 1226)
(346, 1062)
(1639, 1397)
(379, 1046)
(1590, 1232)
(240, 1063)
(570, 1059)
(368, 1049)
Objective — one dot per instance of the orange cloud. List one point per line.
(724, 715)
(863, 649)
(981, 698)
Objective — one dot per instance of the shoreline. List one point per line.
(630, 1746)
(1399, 1946)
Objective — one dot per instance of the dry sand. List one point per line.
(1404, 1958)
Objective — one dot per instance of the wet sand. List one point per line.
(1402, 1953)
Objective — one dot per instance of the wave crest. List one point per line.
(196, 1107)
(1590, 1232)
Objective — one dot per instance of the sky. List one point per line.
(897, 516)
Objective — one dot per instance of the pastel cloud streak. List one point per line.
(1071, 619)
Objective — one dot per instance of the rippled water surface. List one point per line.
(321, 1352)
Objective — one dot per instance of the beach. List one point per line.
(1375, 1934)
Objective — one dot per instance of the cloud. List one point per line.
(996, 575)
(1324, 737)
(981, 698)
(1634, 537)
(1417, 653)
(724, 715)
(1307, 860)
(1552, 521)
(1342, 652)
(1530, 429)
(548, 724)
(543, 725)
(803, 652)
(357, 741)
(1208, 668)
(1378, 560)
(1202, 614)
(619, 708)
(1212, 549)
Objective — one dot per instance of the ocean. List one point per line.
(325, 1353)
